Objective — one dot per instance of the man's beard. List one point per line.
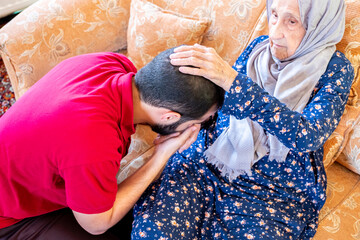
(169, 129)
(166, 129)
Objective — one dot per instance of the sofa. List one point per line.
(50, 31)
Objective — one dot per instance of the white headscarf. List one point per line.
(291, 81)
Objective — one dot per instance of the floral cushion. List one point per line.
(229, 40)
(339, 218)
(153, 29)
(346, 137)
(140, 150)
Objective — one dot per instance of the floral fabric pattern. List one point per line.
(350, 153)
(148, 35)
(339, 218)
(279, 200)
(140, 150)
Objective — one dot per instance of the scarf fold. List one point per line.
(291, 81)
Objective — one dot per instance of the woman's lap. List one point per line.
(192, 202)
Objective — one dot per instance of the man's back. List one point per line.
(70, 130)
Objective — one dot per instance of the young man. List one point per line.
(62, 142)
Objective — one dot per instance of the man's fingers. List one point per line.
(186, 134)
(162, 138)
(181, 136)
(192, 138)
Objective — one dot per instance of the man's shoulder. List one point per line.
(101, 58)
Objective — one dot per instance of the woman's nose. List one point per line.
(276, 30)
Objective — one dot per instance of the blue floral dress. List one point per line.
(192, 200)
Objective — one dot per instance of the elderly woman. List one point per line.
(257, 171)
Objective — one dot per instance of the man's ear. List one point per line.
(170, 117)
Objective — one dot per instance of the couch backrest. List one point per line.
(48, 32)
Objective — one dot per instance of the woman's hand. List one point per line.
(204, 61)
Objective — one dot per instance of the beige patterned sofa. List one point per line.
(52, 30)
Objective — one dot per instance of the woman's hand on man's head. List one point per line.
(204, 61)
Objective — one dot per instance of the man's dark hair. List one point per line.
(161, 84)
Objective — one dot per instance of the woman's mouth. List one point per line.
(277, 45)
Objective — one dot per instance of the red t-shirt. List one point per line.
(61, 143)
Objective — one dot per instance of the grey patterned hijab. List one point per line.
(291, 81)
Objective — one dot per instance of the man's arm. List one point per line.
(130, 190)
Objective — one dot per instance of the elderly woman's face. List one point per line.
(285, 28)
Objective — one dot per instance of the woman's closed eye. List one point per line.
(274, 14)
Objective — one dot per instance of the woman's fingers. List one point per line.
(204, 61)
(195, 51)
(189, 61)
(190, 57)
(192, 71)
(196, 46)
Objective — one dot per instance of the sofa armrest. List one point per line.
(48, 32)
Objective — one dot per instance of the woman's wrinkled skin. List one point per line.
(285, 28)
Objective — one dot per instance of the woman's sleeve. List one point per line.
(306, 131)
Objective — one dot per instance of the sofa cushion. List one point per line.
(346, 136)
(153, 29)
(232, 22)
(50, 31)
(140, 150)
(339, 218)
(351, 152)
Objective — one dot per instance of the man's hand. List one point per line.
(189, 137)
(206, 63)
